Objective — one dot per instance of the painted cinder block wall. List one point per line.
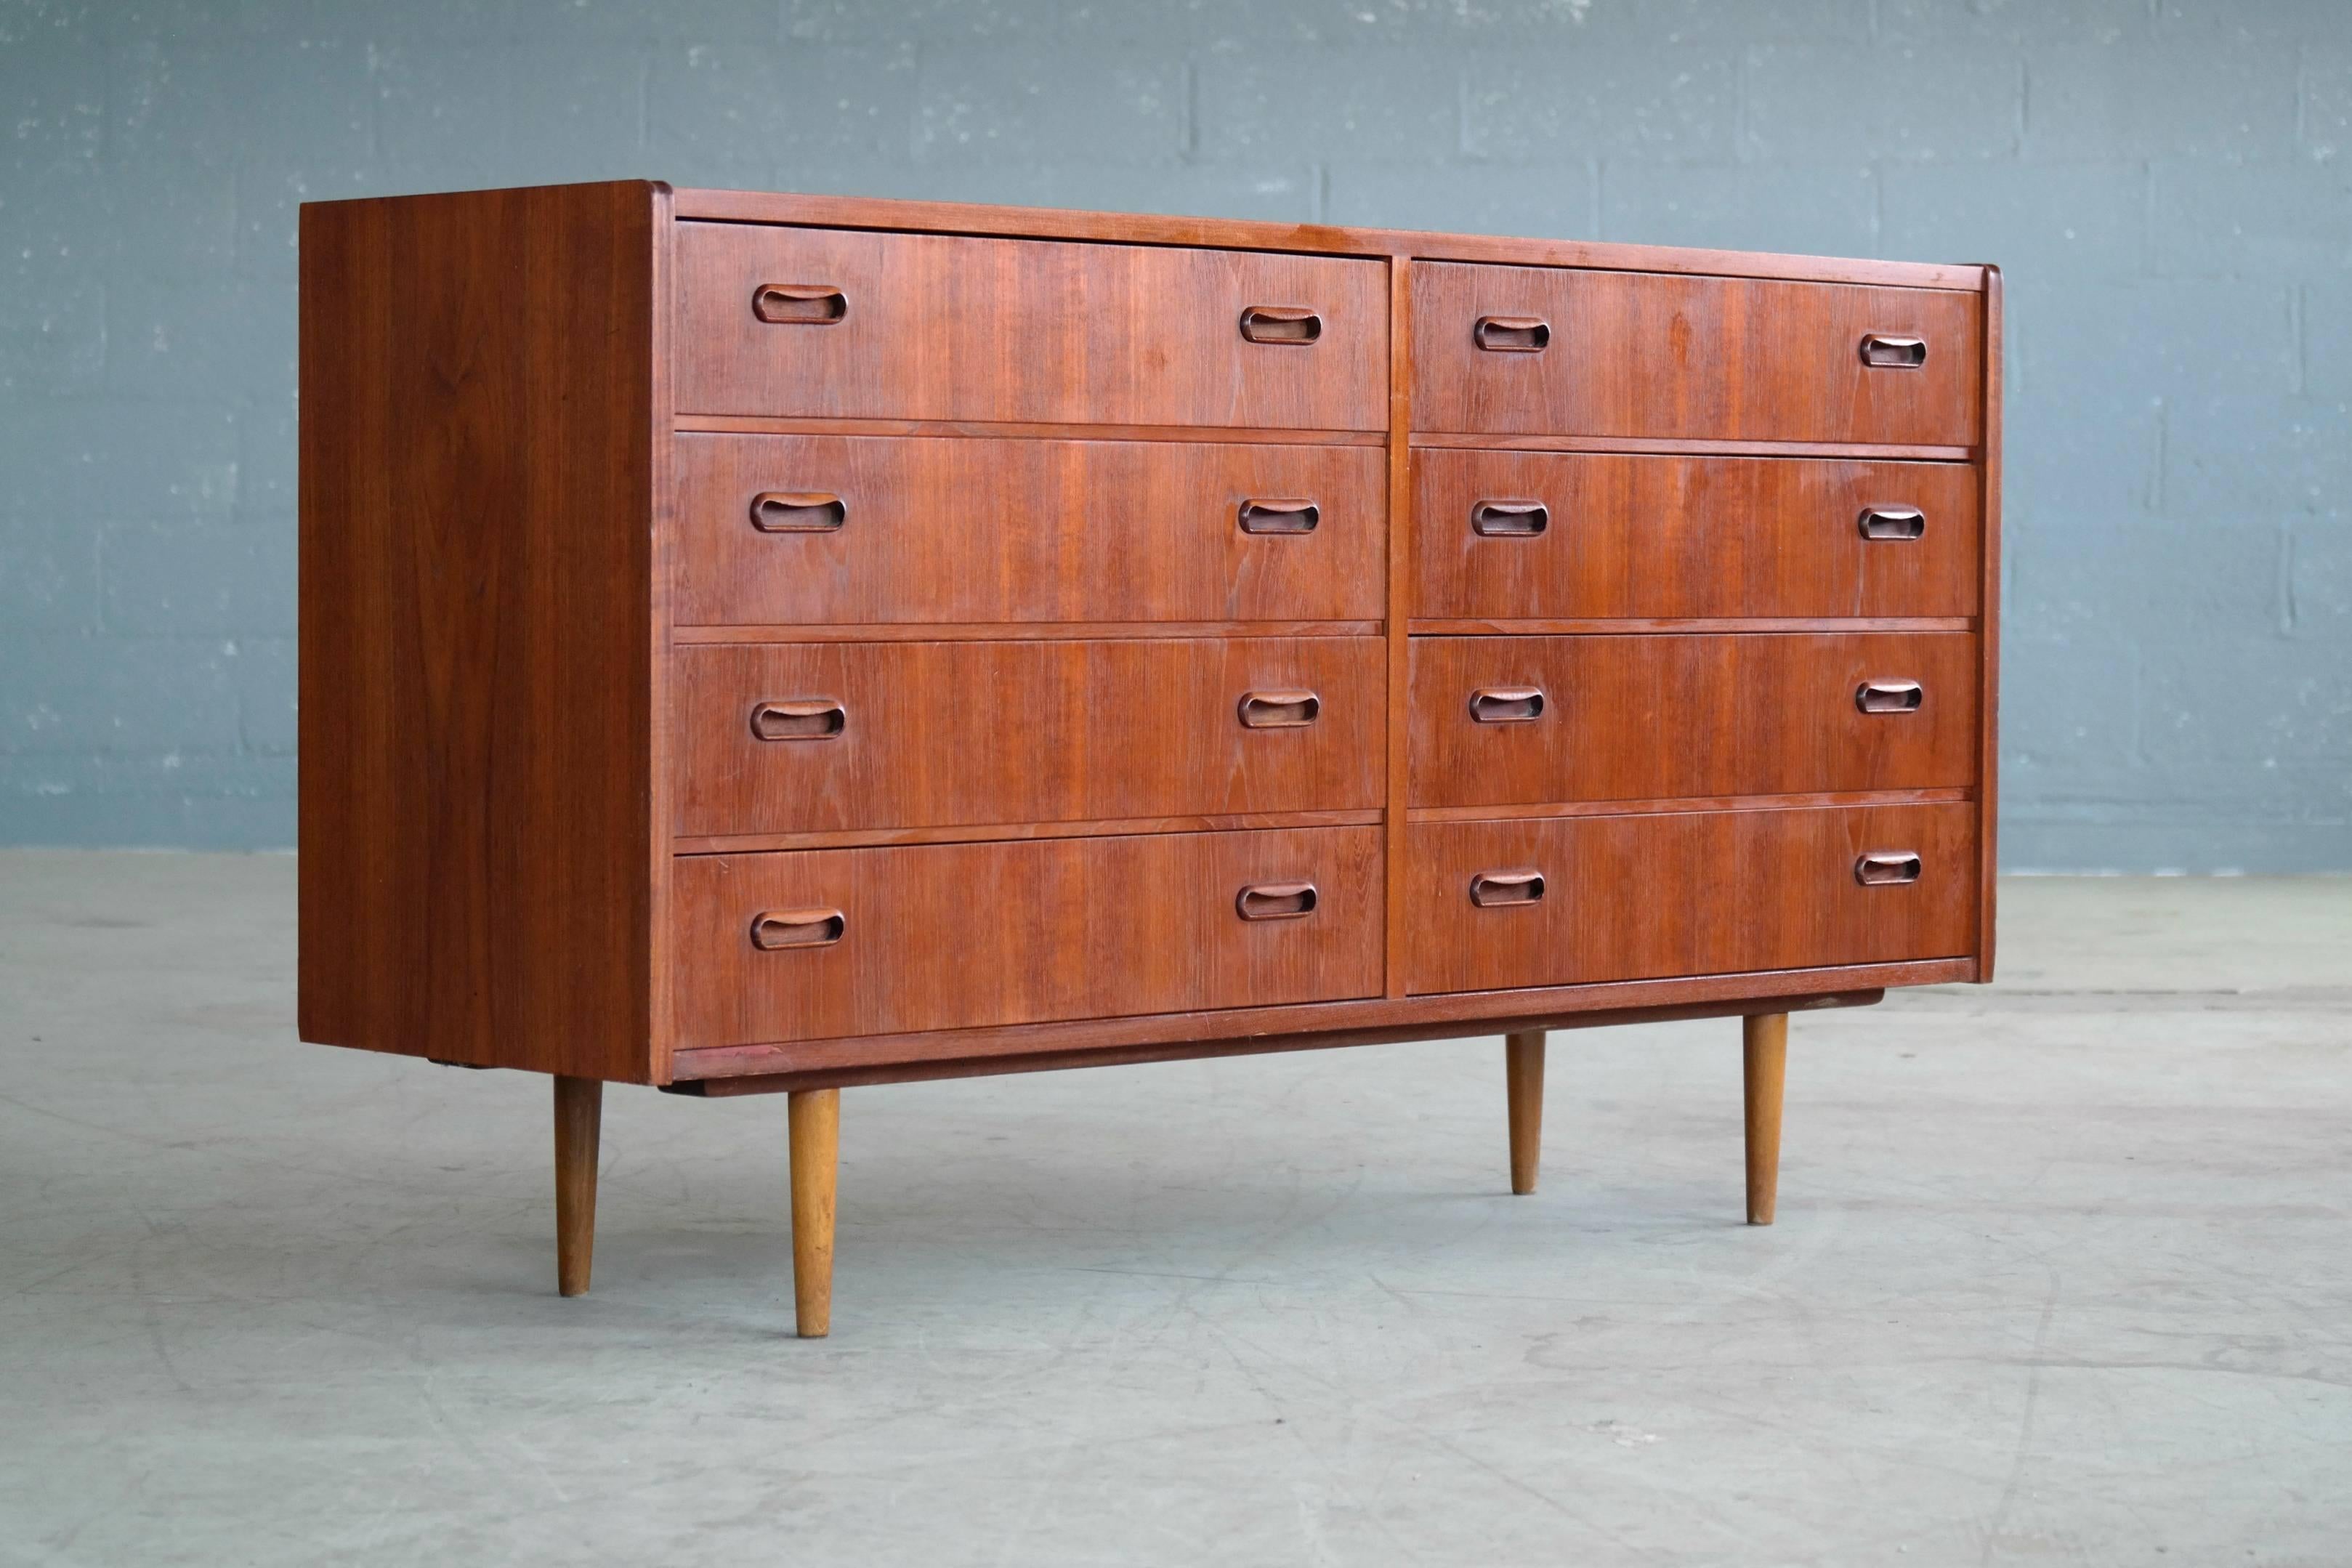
(2168, 185)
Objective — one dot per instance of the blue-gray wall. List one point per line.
(2167, 183)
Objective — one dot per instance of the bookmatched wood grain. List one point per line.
(1629, 898)
(962, 936)
(1637, 355)
(477, 375)
(938, 733)
(1675, 536)
(943, 327)
(979, 529)
(1665, 717)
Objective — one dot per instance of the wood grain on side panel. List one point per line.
(1642, 354)
(477, 376)
(912, 529)
(926, 735)
(1691, 893)
(925, 326)
(965, 935)
(1666, 717)
(1672, 536)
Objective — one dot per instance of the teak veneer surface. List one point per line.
(1040, 426)
(1639, 354)
(1660, 717)
(959, 936)
(949, 732)
(477, 709)
(1661, 537)
(978, 529)
(1630, 898)
(1306, 239)
(939, 327)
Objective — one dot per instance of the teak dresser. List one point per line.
(765, 642)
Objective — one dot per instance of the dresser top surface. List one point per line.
(1240, 234)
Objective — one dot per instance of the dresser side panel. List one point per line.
(478, 375)
(1988, 698)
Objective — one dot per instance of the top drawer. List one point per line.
(1554, 352)
(856, 324)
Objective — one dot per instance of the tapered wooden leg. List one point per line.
(816, 1117)
(1523, 1059)
(1764, 1045)
(579, 1117)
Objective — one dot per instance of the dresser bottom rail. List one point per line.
(1250, 1046)
(879, 1058)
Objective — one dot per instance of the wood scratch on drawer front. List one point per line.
(1031, 631)
(1814, 801)
(1211, 435)
(746, 843)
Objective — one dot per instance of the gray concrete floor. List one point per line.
(2061, 1275)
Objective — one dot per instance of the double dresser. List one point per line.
(763, 643)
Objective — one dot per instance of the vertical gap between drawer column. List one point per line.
(1400, 532)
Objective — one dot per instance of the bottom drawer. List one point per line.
(1640, 897)
(830, 942)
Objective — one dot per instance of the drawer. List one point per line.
(1569, 535)
(856, 528)
(1650, 354)
(1682, 893)
(867, 941)
(968, 733)
(925, 326)
(1659, 717)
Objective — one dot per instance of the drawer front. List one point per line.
(1683, 893)
(965, 935)
(917, 326)
(821, 529)
(1686, 717)
(1648, 355)
(932, 734)
(1569, 535)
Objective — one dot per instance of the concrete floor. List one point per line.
(2063, 1275)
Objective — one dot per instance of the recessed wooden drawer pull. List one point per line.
(1893, 522)
(1506, 704)
(1501, 890)
(1887, 867)
(1889, 696)
(1512, 335)
(1276, 900)
(1281, 324)
(773, 930)
(1280, 516)
(800, 718)
(1509, 519)
(1882, 351)
(1280, 709)
(798, 304)
(797, 512)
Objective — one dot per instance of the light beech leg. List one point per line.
(1764, 1048)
